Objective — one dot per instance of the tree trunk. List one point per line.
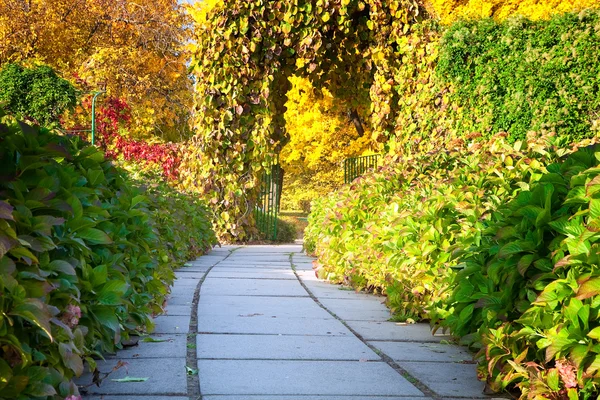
(355, 118)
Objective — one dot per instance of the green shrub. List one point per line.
(82, 264)
(529, 291)
(394, 231)
(286, 231)
(38, 94)
(520, 76)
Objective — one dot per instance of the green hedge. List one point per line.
(520, 76)
(86, 258)
(37, 94)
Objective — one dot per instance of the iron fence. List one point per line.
(267, 207)
(356, 166)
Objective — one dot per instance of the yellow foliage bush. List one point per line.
(449, 11)
(321, 136)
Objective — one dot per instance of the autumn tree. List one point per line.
(323, 131)
(138, 48)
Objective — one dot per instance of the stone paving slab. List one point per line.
(269, 248)
(447, 379)
(189, 275)
(182, 310)
(116, 397)
(189, 282)
(174, 346)
(306, 276)
(233, 306)
(195, 268)
(302, 397)
(251, 287)
(420, 332)
(340, 378)
(274, 326)
(251, 266)
(325, 290)
(301, 266)
(172, 324)
(266, 347)
(286, 274)
(351, 310)
(158, 383)
(408, 351)
(182, 291)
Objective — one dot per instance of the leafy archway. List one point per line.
(245, 53)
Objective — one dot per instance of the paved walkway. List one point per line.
(253, 323)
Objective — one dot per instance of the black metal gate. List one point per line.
(267, 207)
(356, 166)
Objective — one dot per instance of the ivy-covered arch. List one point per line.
(246, 50)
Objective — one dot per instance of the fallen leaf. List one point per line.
(130, 379)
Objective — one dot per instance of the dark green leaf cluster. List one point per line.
(520, 76)
(37, 94)
(86, 258)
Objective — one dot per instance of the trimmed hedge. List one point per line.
(86, 258)
(520, 76)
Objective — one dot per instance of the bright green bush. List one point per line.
(82, 262)
(394, 231)
(37, 94)
(529, 290)
(520, 76)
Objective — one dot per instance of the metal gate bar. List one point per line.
(267, 208)
(356, 166)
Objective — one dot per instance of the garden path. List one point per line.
(254, 323)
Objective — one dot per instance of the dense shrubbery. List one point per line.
(394, 230)
(529, 289)
(85, 258)
(518, 227)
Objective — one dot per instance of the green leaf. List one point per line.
(94, 236)
(40, 389)
(107, 317)
(62, 266)
(36, 312)
(95, 176)
(594, 333)
(112, 292)
(137, 200)
(6, 211)
(71, 360)
(191, 371)
(524, 263)
(130, 379)
(5, 373)
(514, 248)
(589, 288)
(552, 379)
(153, 340)
(595, 208)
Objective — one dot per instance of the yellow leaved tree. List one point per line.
(449, 11)
(323, 131)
